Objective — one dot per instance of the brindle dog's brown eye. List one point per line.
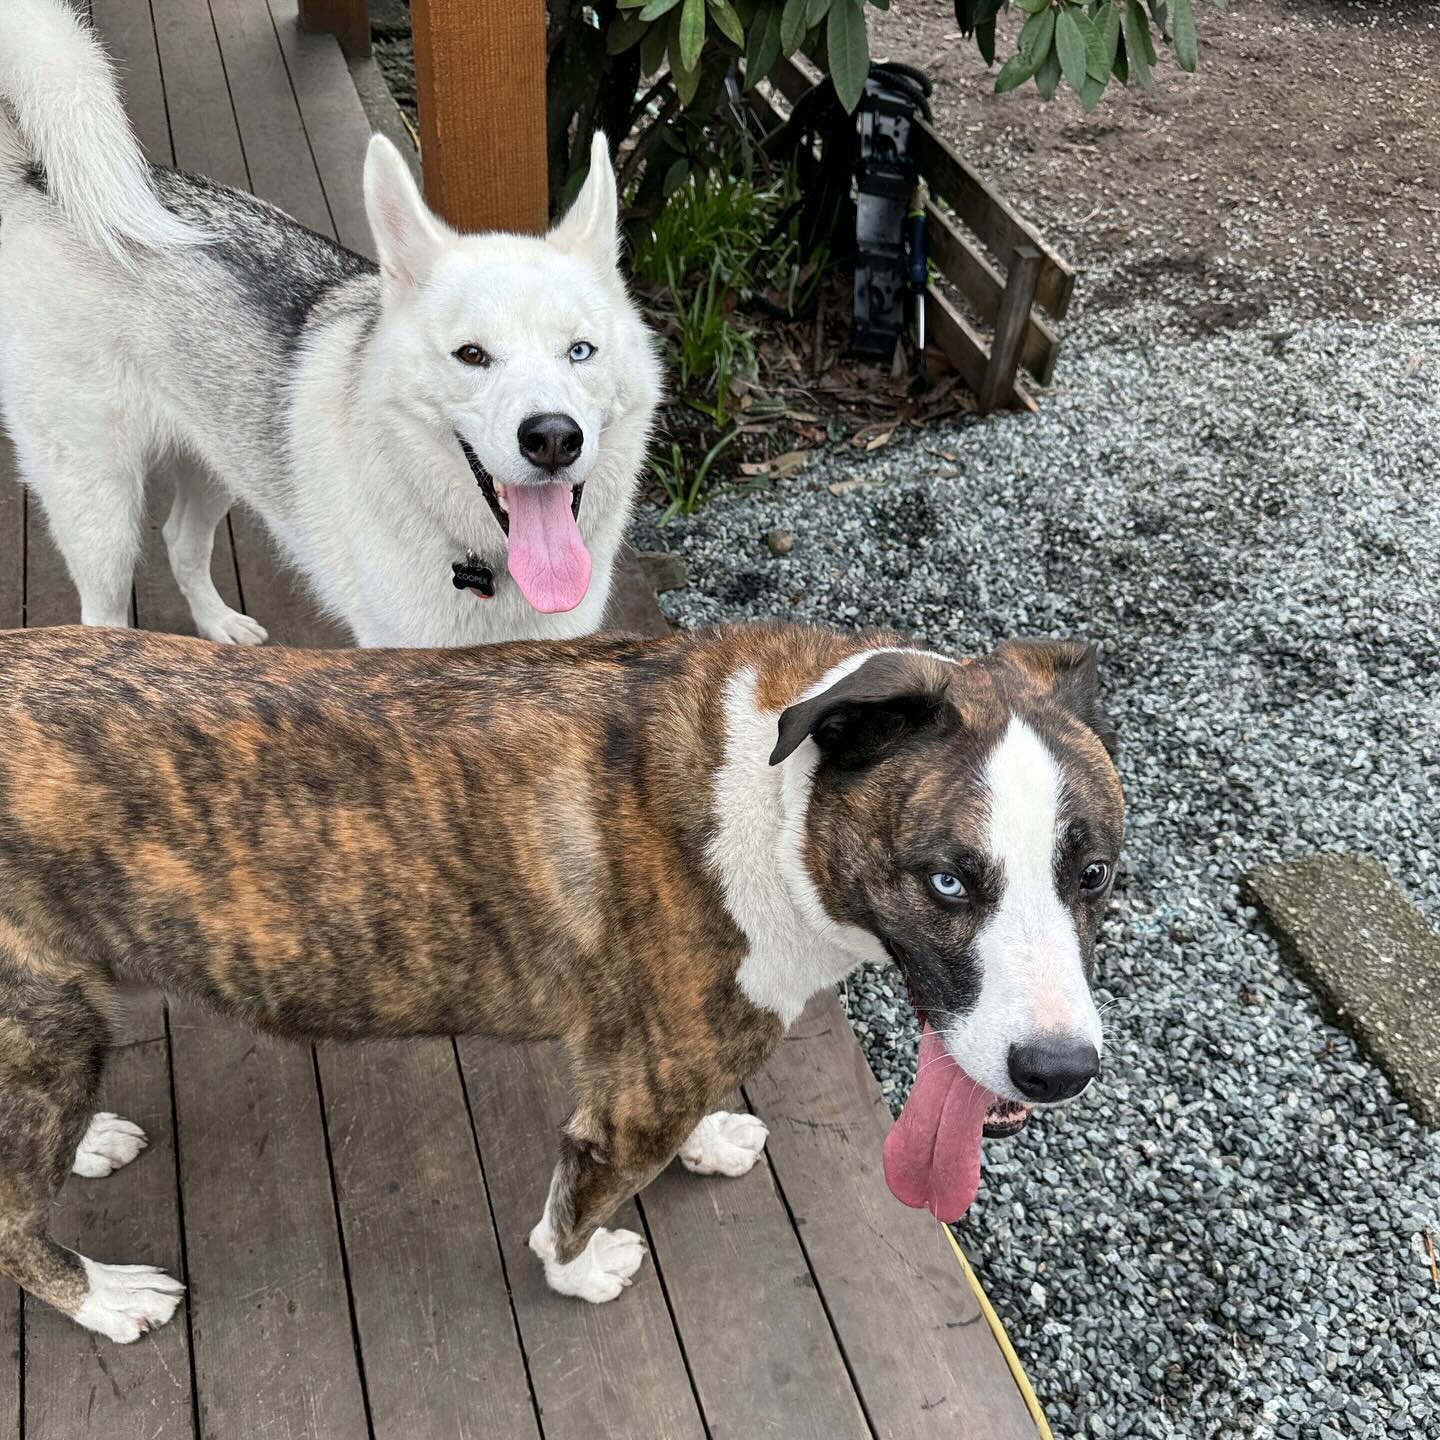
(472, 355)
(1094, 876)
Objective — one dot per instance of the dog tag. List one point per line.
(470, 574)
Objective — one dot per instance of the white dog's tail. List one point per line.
(66, 116)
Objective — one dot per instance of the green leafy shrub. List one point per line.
(1084, 42)
(656, 71)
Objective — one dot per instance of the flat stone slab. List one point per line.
(1354, 934)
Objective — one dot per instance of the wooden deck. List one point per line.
(351, 1222)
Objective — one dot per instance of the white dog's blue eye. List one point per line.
(947, 886)
(581, 351)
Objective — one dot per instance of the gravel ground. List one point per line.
(1225, 1237)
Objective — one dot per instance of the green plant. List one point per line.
(711, 350)
(685, 489)
(655, 70)
(1084, 42)
(711, 217)
(726, 240)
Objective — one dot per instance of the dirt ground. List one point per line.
(1298, 168)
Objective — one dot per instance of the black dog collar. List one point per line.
(469, 573)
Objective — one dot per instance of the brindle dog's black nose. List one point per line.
(1047, 1071)
(550, 441)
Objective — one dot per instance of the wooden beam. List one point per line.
(1010, 325)
(480, 77)
(989, 215)
(972, 274)
(347, 20)
(964, 348)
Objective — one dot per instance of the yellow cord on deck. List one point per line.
(1017, 1370)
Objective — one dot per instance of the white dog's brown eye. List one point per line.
(1094, 876)
(472, 355)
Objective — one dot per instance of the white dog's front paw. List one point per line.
(602, 1269)
(126, 1301)
(230, 627)
(109, 1143)
(724, 1143)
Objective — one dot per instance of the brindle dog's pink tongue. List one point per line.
(932, 1153)
(547, 557)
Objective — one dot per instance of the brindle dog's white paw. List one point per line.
(724, 1143)
(126, 1301)
(230, 627)
(602, 1270)
(109, 1144)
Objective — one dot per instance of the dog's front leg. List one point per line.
(603, 1162)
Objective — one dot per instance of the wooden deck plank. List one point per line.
(197, 98)
(612, 1369)
(335, 121)
(761, 1352)
(272, 135)
(274, 1352)
(913, 1335)
(128, 34)
(12, 539)
(431, 1304)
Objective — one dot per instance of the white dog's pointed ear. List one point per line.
(591, 226)
(409, 236)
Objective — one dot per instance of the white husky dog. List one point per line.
(487, 396)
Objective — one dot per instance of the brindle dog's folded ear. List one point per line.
(863, 715)
(1070, 670)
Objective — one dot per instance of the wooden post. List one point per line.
(347, 20)
(1010, 327)
(480, 75)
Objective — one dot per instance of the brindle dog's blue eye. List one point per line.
(581, 351)
(947, 886)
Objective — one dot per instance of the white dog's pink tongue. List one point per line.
(548, 559)
(932, 1153)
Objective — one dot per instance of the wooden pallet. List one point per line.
(351, 1221)
(968, 222)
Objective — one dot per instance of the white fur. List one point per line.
(126, 1301)
(600, 1272)
(343, 443)
(724, 1143)
(108, 1144)
(56, 80)
(1032, 978)
(794, 947)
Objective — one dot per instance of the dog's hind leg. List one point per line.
(91, 484)
(199, 507)
(53, 1037)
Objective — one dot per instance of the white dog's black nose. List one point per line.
(550, 441)
(1051, 1070)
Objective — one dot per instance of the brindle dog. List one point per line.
(654, 850)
